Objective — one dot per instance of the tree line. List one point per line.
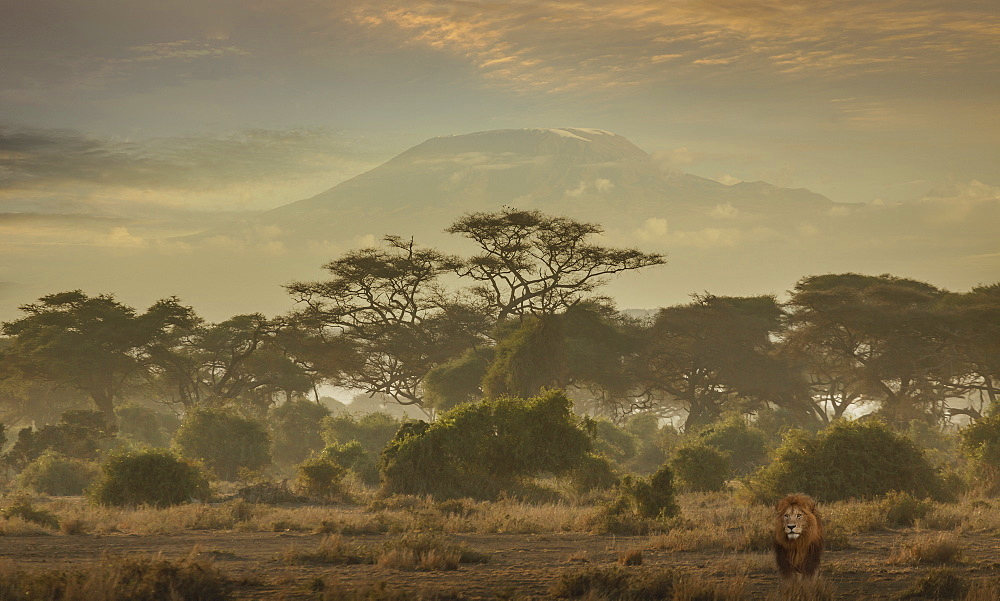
(525, 313)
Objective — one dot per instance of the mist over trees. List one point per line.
(521, 315)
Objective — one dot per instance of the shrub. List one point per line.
(295, 426)
(320, 477)
(150, 477)
(57, 475)
(902, 509)
(224, 441)
(981, 444)
(594, 473)
(700, 467)
(426, 552)
(482, 450)
(848, 459)
(646, 498)
(746, 444)
(372, 431)
(23, 508)
(78, 434)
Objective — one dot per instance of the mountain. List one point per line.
(587, 174)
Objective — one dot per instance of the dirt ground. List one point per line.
(519, 565)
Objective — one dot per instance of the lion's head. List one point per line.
(796, 517)
(798, 535)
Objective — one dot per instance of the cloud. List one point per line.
(52, 170)
(585, 44)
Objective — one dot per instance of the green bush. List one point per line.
(981, 444)
(848, 459)
(646, 498)
(150, 477)
(746, 445)
(78, 434)
(57, 475)
(594, 473)
(482, 450)
(225, 441)
(370, 431)
(700, 467)
(295, 426)
(320, 477)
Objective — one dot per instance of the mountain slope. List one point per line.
(583, 173)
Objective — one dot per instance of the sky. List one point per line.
(125, 121)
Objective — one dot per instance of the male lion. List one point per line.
(798, 537)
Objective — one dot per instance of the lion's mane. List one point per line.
(799, 556)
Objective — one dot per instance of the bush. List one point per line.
(320, 477)
(595, 473)
(224, 441)
(981, 444)
(483, 450)
(646, 498)
(57, 475)
(295, 426)
(903, 510)
(848, 459)
(151, 477)
(700, 468)
(371, 431)
(78, 434)
(23, 508)
(746, 445)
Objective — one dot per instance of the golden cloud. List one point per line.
(582, 44)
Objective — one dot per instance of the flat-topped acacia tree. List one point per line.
(393, 322)
(533, 263)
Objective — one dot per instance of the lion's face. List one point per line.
(795, 521)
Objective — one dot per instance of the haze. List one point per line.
(126, 128)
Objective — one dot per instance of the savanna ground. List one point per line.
(410, 548)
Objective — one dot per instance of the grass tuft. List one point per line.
(943, 548)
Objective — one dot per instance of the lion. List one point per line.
(798, 537)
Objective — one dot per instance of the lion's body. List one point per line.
(798, 537)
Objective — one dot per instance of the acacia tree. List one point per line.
(94, 344)
(533, 263)
(715, 350)
(385, 312)
(869, 338)
(965, 333)
(243, 358)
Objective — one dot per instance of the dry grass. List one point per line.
(695, 587)
(803, 589)
(332, 549)
(426, 552)
(118, 579)
(618, 584)
(630, 557)
(942, 548)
